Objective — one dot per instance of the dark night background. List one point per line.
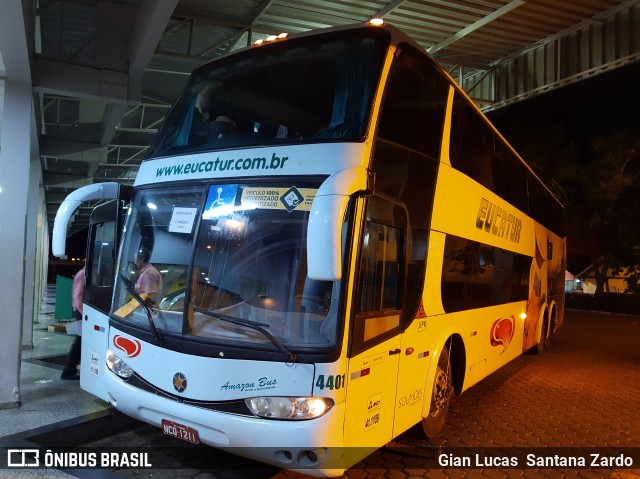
(596, 105)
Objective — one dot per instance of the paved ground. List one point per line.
(583, 391)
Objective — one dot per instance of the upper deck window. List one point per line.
(313, 89)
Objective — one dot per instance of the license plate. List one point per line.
(180, 431)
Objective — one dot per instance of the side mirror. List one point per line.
(96, 191)
(324, 234)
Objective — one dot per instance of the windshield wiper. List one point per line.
(132, 290)
(291, 356)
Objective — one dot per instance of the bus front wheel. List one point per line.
(440, 397)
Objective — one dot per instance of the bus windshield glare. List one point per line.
(249, 265)
(261, 96)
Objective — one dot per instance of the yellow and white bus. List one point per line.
(344, 243)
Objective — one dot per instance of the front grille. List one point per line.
(232, 407)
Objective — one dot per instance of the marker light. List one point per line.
(289, 407)
(271, 38)
(118, 366)
(523, 316)
(376, 21)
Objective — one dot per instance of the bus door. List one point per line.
(376, 325)
(102, 248)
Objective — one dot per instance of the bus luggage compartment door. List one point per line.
(371, 396)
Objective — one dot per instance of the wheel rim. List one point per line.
(441, 387)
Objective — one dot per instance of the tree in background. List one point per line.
(606, 197)
(597, 176)
(601, 181)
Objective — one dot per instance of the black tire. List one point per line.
(543, 341)
(551, 329)
(440, 397)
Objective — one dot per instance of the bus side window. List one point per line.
(102, 258)
(379, 268)
(414, 104)
(99, 267)
(472, 147)
(381, 286)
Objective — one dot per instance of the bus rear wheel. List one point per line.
(543, 341)
(440, 397)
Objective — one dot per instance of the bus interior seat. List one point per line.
(335, 132)
(222, 126)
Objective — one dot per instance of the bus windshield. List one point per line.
(210, 260)
(290, 91)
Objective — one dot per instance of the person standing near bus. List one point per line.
(70, 371)
(149, 279)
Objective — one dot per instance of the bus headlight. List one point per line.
(289, 407)
(118, 366)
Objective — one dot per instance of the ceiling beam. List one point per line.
(149, 25)
(233, 39)
(58, 148)
(64, 78)
(67, 79)
(111, 118)
(54, 197)
(66, 181)
(475, 26)
(389, 8)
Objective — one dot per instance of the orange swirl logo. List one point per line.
(502, 332)
(131, 348)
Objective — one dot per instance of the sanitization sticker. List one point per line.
(279, 198)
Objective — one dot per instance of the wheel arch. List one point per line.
(458, 359)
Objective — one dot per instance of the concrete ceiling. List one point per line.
(105, 72)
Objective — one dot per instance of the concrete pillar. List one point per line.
(42, 254)
(31, 306)
(15, 156)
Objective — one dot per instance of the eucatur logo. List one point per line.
(131, 347)
(502, 332)
(179, 382)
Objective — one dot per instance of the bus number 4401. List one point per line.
(332, 382)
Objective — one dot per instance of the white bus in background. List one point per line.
(345, 242)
